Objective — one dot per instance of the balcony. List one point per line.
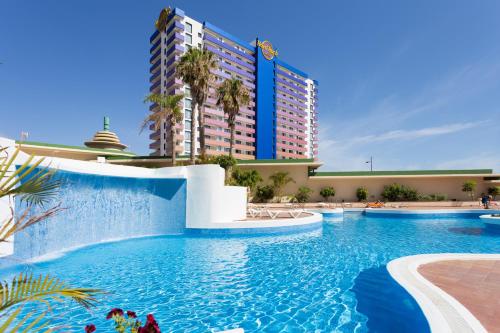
(227, 46)
(229, 57)
(285, 74)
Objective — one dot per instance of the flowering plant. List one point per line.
(128, 323)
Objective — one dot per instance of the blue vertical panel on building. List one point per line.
(265, 135)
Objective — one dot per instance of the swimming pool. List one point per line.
(332, 279)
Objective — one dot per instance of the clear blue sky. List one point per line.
(416, 84)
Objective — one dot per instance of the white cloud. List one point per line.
(415, 134)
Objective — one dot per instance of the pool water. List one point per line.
(331, 279)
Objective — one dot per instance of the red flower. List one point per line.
(150, 319)
(90, 328)
(151, 326)
(114, 312)
(131, 314)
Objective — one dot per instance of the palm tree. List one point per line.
(33, 185)
(195, 69)
(279, 180)
(232, 95)
(171, 111)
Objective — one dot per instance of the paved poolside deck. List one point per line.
(474, 283)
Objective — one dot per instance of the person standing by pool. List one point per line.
(485, 200)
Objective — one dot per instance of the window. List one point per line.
(187, 103)
(199, 34)
(189, 39)
(187, 114)
(187, 92)
(189, 27)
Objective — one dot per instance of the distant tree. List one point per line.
(232, 95)
(327, 192)
(494, 191)
(361, 193)
(169, 111)
(469, 187)
(279, 180)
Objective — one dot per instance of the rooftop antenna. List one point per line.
(371, 163)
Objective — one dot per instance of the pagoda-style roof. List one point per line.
(105, 139)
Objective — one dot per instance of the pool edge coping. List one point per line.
(440, 308)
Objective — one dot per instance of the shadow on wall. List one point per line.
(387, 305)
(100, 208)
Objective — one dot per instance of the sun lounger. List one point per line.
(293, 213)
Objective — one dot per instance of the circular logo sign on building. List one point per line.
(267, 50)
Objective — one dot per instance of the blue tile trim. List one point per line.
(431, 215)
(255, 231)
(210, 26)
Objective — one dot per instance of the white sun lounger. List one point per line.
(294, 213)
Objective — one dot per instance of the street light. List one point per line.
(371, 163)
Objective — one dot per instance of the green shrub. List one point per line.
(327, 192)
(247, 178)
(440, 197)
(303, 194)
(226, 162)
(362, 193)
(397, 192)
(469, 187)
(494, 191)
(264, 193)
(433, 197)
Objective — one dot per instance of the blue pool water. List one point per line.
(332, 279)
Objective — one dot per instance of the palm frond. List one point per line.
(26, 288)
(35, 186)
(169, 109)
(14, 225)
(37, 324)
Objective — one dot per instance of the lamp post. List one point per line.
(371, 163)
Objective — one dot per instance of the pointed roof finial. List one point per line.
(106, 123)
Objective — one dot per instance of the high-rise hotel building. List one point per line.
(280, 121)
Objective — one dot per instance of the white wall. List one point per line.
(209, 201)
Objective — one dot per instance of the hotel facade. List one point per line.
(281, 120)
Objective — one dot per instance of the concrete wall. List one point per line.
(345, 187)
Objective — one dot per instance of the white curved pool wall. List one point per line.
(106, 202)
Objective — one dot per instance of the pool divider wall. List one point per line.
(107, 202)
